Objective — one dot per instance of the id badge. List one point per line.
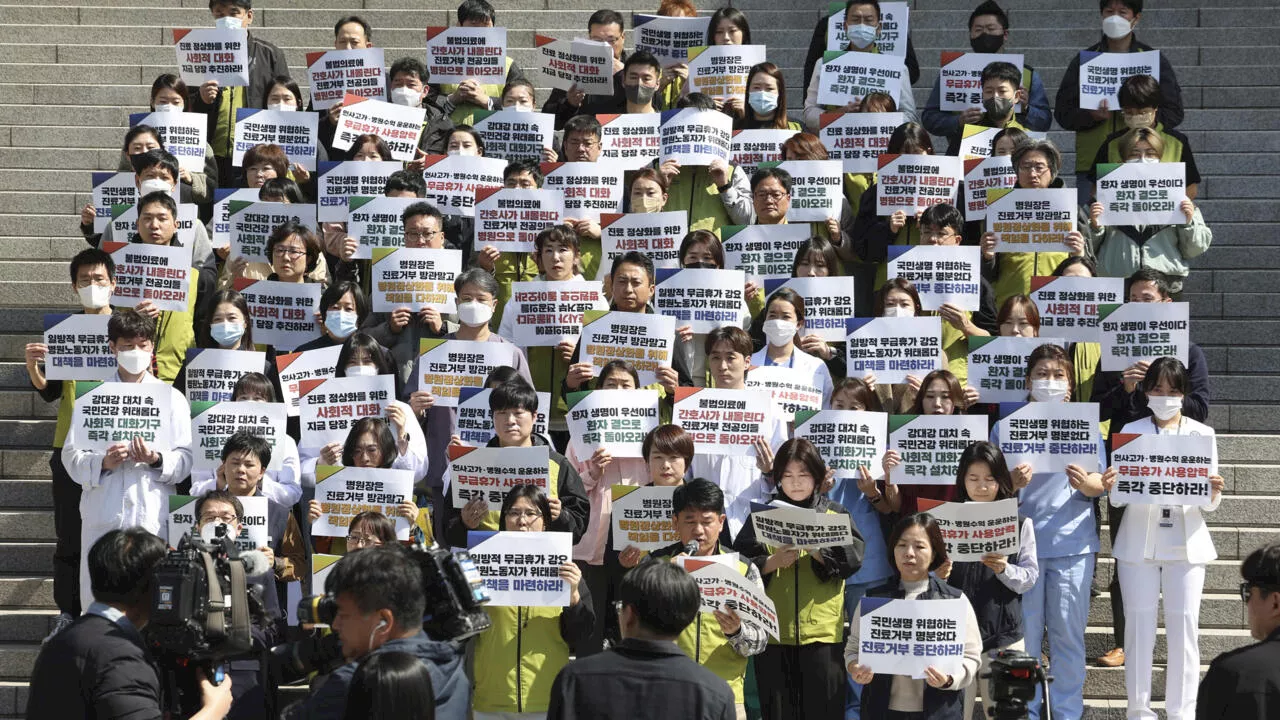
(1166, 518)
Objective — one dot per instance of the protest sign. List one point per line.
(846, 439)
(791, 389)
(905, 637)
(109, 190)
(1142, 193)
(976, 140)
(338, 182)
(930, 446)
(344, 492)
(212, 373)
(415, 278)
(124, 222)
(522, 569)
(545, 312)
(645, 340)
(78, 348)
(1031, 220)
(398, 125)
(691, 136)
(997, 366)
(183, 134)
(817, 189)
(1158, 469)
(159, 273)
(213, 423)
(724, 587)
(514, 135)
(212, 54)
(475, 421)
(668, 38)
(720, 71)
(453, 181)
(894, 347)
(723, 422)
(284, 314)
(641, 517)
(509, 219)
(767, 251)
(632, 140)
(1049, 436)
(459, 53)
(293, 368)
(586, 64)
(702, 299)
(335, 74)
(1102, 74)
(845, 76)
(973, 529)
(489, 473)
(253, 521)
(111, 413)
(803, 528)
(857, 139)
(589, 188)
(892, 39)
(942, 274)
(617, 420)
(328, 408)
(749, 148)
(376, 222)
(656, 235)
(960, 77)
(1141, 332)
(1069, 305)
(321, 566)
(982, 175)
(828, 303)
(252, 224)
(295, 131)
(220, 223)
(446, 366)
(911, 183)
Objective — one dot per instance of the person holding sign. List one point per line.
(1002, 91)
(169, 94)
(1123, 250)
(606, 26)
(517, 658)
(715, 195)
(509, 267)
(784, 320)
(766, 101)
(799, 673)
(640, 73)
(1162, 551)
(1140, 100)
(225, 326)
(460, 100)
(838, 230)
(343, 308)
(940, 394)
(871, 230)
(918, 551)
(127, 483)
(996, 584)
(668, 453)
(719, 641)
(1119, 18)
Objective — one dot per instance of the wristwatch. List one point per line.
(159, 463)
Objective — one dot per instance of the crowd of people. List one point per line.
(111, 511)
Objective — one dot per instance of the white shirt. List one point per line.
(414, 458)
(810, 365)
(283, 485)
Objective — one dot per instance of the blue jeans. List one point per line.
(853, 593)
(1059, 604)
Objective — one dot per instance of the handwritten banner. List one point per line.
(974, 529)
(78, 348)
(1050, 436)
(1163, 469)
(344, 492)
(399, 126)
(858, 140)
(489, 473)
(522, 569)
(509, 219)
(1031, 220)
(415, 278)
(159, 273)
(942, 274)
(641, 517)
(213, 423)
(447, 366)
(702, 299)
(846, 439)
(455, 54)
(643, 339)
(617, 420)
(1142, 193)
(212, 54)
(112, 413)
(894, 347)
(911, 183)
(1102, 74)
(631, 140)
(1141, 332)
(721, 421)
(1069, 305)
(335, 74)
(930, 446)
(656, 235)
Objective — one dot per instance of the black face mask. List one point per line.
(701, 266)
(987, 43)
(639, 94)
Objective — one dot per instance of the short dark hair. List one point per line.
(243, 441)
(152, 158)
(168, 81)
(405, 181)
(802, 451)
(512, 395)
(255, 383)
(642, 57)
(615, 366)
(1155, 277)
(384, 150)
(203, 337)
(1140, 91)
(223, 496)
(910, 139)
(777, 173)
(733, 15)
(1006, 72)
(702, 237)
(698, 494)
(606, 17)
(1018, 134)
(873, 3)
(381, 577)
(931, 529)
(129, 324)
(580, 123)
(419, 209)
(900, 284)
(696, 100)
(92, 257)
(281, 189)
(737, 338)
(336, 290)
(633, 257)
(1261, 569)
(289, 84)
(1050, 353)
(132, 134)
(364, 25)
(409, 66)
(989, 453)
(478, 276)
(662, 595)
(1134, 5)
(500, 375)
(381, 431)
(391, 685)
(121, 564)
(533, 494)
(668, 440)
(1073, 260)
(989, 7)
(522, 166)
(467, 129)
(943, 215)
(159, 198)
(361, 342)
(1169, 370)
(246, 4)
(288, 229)
(476, 10)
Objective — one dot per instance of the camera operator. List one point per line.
(380, 605)
(102, 652)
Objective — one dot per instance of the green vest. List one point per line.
(694, 193)
(465, 113)
(508, 268)
(810, 610)
(1017, 269)
(1172, 147)
(230, 100)
(517, 659)
(955, 345)
(703, 641)
(1088, 141)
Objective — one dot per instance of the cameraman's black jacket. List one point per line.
(94, 669)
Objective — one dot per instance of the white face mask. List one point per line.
(474, 313)
(134, 362)
(94, 297)
(1116, 27)
(779, 332)
(168, 107)
(150, 185)
(1164, 407)
(361, 371)
(282, 107)
(899, 311)
(519, 108)
(1049, 390)
(228, 23)
(406, 96)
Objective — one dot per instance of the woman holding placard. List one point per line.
(517, 658)
(940, 394)
(520, 95)
(226, 325)
(874, 233)
(799, 673)
(766, 101)
(343, 309)
(702, 250)
(806, 146)
(169, 94)
(1163, 550)
(918, 549)
(784, 320)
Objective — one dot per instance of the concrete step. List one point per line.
(30, 592)
(26, 559)
(1216, 611)
(17, 661)
(21, 403)
(1249, 449)
(25, 494)
(25, 464)
(26, 625)
(1213, 642)
(29, 525)
(26, 433)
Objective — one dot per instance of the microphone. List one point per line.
(255, 563)
(690, 548)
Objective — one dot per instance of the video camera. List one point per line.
(1013, 679)
(454, 593)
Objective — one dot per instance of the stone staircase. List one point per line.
(73, 73)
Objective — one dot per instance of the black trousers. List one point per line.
(804, 682)
(1114, 515)
(596, 578)
(66, 525)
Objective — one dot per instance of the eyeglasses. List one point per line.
(1264, 589)
(424, 235)
(515, 514)
(1036, 168)
(581, 143)
(774, 196)
(227, 518)
(937, 234)
(288, 251)
(359, 541)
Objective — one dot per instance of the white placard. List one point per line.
(455, 54)
(817, 189)
(691, 136)
(720, 71)
(974, 529)
(960, 78)
(656, 235)
(415, 278)
(515, 135)
(724, 587)
(293, 368)
(399, 126)
(109, 190)
(764, 251)
(857, 139)
(447, 366)
(284, 314)
(475, 421)
(941, 274)
(377, 222)
(998, 365)
(334, 74)
(1142, 193)
(911, 183)
(522, 569)
(1069, 305)
(295, 131)
(702, 299)
(845, 76)
(804, 528)
(212, 423)
(590, 189)
(212, 54)
(828, 303)
(220, 223)
(631, 140)
(1050, 436)
(489, 473)
(1141, 332)
(78, 348)
(749, 148)
(586, 64)
(641, 517)
(159, 273)
(721, 421)
(184, 135)
(930, 446)
(328, 408)
(1163, 469)
(252, 224)
(847, 439)
(1031, 220)
(617, 420)
(981, 175)
(111, 413)
(643, 339)
(668, 38)
(338, 182)
(792, 389)
(546, 313)
(1102, 74)
(211, 374)
(894, 347)
(454, 181)
(509, 219)
(344, 492)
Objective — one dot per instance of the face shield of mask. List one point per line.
(228, 22)
(151, 185)
(407, 97)
(1047, 390)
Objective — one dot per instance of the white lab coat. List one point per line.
(810, 365)
(283, 486)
